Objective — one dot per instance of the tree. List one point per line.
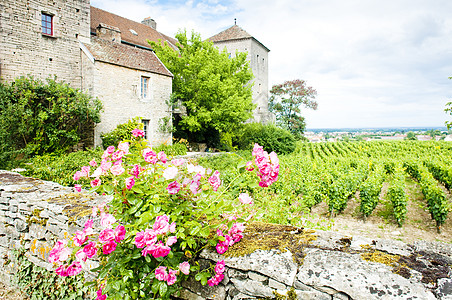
(39, 117)
(214, 89)
(286, 101)
(411, 136)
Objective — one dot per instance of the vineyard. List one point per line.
(332, 174)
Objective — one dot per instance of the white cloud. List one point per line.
(373, 63)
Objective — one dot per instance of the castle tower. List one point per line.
(236, 39)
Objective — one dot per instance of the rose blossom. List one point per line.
(130, 182)
(109, 248)
(77, 176)
(137, 133)
(149, 156)
(171, 278)
(173, 187)
(244, 198)
(93, 163)
(106, 235)
(171, 241)
(215, 180)
(219, 268)
(79, 238)
(85, 171)
(162, 157)
(184, 267)
(120, 233)
(117, 155)
(107, 220)
(81, 255)
(95, 182)
(221, 247)
(105, 165)
(90, 249)
(161, 225)
(170, 173)
(249, 166)
(178, 162)
(110, 149)
(78, 187)
(124, 147)
(117, 170)
(100, 296)
(136, 170)
(139, 240)
(160, 273)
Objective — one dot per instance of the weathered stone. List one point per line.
(273, 263)
(276, 285)
(40, 249)
(359, 279)
(37, 231)
(234, 273)
(4, 241)
(444, 289)
(206, 292)
(188, 295)
(257, 277)
(253, 288)
(393, 247)
(4, 207)
(13, 209)
(312, 295)
(20, 225)
(45, 214)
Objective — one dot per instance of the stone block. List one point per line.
(37, 231)
(40, 249)
(20, 225)
(253, 288)
(276, 285)
(257, 277)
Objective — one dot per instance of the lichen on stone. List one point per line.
(264, 236)
(76, 205)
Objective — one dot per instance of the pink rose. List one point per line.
(124, 147)
(215, 180)
(109, 248)
(136, 170)
(106, 235)
(244, 198)
(110, 149)
(160, 273)
(219, 268)
(90, 249)
(89, 223)
(178, 162)
(79, 238)
(162, 157)
(78, 187)
(184, 267)
(137, 133)
(105, 165)
(117, 155)
(157, 250)
(172, 227)
(120, 233)
(95, 182)
(139, 240)
(173, 187)
(81, 255)
(62, 270)
(100, 296)
(93, 163)
(130, 182)
(171, 240)
(161, 225)
(77, 176)
(117, 170)
(170, 173)
(85, 171)
(107, 220)
(221, 247)
(249, 166)
(171, 278)
(149, 156)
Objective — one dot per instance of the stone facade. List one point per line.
(321, 265)
(119, 90)
(236, 39)
(26, 50)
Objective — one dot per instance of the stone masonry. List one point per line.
(25, 50)
(321, 265)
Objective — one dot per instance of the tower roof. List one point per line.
(234, 33)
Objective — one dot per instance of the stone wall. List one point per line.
(271, 261)
(25, 50)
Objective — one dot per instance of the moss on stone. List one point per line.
(35, 218)
(76, 205)
(264, 236)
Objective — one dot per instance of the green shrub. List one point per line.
(172, 150)
(269, 136)
(39, 117)
(61, 168)
(121, 132)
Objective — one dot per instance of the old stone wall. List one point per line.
(25, 50)
(271, 261)
(119, 90)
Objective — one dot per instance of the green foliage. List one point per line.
(286, 101)
(213, 88)
(38, 283)
(172, 150)
(121, 132)
(43, 117)
(411, 136)
(61, 168)
(397, 196)
(269, 136)
(369, 192)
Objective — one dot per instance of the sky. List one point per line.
(373, 63)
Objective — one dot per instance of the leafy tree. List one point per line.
(213, 88)
(39, 117)
(286, 101)
(411, 136)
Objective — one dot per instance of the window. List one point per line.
(145, 127)
(144, 87)
(47, 24)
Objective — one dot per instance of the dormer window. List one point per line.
(47, 24)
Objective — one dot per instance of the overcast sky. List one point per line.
(374, 63)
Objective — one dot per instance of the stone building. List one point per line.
(236, 39)
(92, 50)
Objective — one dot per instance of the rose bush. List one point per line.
(163, 212)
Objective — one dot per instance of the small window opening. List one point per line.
(145, 128)
(144, 87)
(47, 24)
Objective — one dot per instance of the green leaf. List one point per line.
(163, 289)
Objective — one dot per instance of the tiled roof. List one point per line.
(143, 32)
(126, 56)
(233, 33)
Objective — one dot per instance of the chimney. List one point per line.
(109, 33)
(150, 22)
